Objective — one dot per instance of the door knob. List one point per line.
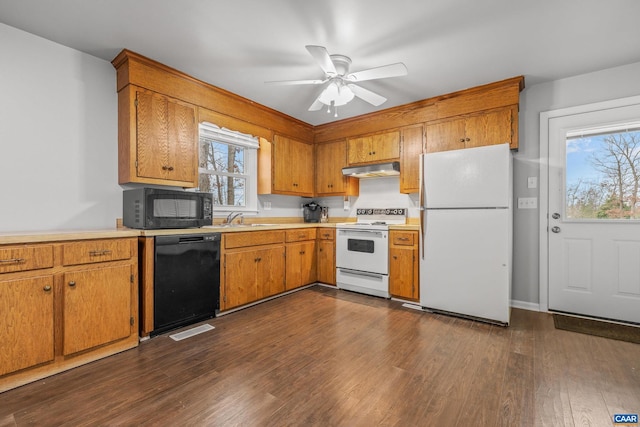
(556, 215)
(555, 229)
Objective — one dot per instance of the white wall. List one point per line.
(58, 137)
(613, 83)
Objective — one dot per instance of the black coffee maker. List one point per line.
(312, 212)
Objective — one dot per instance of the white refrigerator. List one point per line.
(466, 232)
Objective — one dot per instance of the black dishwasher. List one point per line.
(186, 286)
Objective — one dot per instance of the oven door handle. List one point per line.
(360, 273)
(361, 232)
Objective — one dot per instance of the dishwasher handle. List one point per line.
(187, 239)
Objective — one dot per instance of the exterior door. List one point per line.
(594, 213)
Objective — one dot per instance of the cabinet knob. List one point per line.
(467, 139)
(72, 284)
(47, 288)
(395, 257)
(461, 139)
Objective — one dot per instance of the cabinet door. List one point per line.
(358, 150)
(488, 129)
(327, 262)
(402, 275)
(301, 264)
(292, 166)
(330, 159)
(166, 139)
(26, 331)
(410, 159)
(444, 136)
(385, 146)
(270, 279)
(97, 307)
(240, 270)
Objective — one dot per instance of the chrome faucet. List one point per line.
(234, 215)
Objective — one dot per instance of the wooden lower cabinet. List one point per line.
(253, 274)
(301, 257)
(57, 315)
(26, 331)
(86, 324)
(326, 264)
(253, 267)
(404, 279)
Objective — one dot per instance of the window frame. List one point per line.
(207, 131)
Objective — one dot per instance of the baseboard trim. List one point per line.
(525, 305)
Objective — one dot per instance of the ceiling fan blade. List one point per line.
(366, 95)
(323, 59)
(317, 105)
(383, 72)
(295, 82)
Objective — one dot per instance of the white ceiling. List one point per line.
(447, 45)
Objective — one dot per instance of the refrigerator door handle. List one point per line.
(421, 203)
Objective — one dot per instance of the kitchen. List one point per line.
(77, 126)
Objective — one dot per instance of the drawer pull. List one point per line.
(99, 253)
(404, 239)
(47, 288)
(72, 284)
(13, 261)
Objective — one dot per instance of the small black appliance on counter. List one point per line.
(312, 212)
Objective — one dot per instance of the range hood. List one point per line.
(373, 171)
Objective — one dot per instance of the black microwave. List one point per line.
(151, 208)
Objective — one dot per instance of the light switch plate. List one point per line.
(527, 202)
(532, 182)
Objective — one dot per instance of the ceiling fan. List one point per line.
(341, 87)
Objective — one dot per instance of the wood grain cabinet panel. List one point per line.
(25, 257)
(253, 267)
(301, 264)
(411, 150)
(326, 258)
(331, 157)
(404, 279)
(374, 148)
(293, 167)
(157, 139)
(92, 251)
(26, 326)
(98, 307)
(487, 128)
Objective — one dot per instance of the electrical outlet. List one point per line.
(267, 206)
(527, 202)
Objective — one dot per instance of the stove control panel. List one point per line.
(384, 211)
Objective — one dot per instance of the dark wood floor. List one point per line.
(334, 358)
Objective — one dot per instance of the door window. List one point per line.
(602, 178)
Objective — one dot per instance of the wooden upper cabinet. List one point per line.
(292, 167)
(411, 149)
(330, 159)
(374, 148)
(162, 141)
(486, 128)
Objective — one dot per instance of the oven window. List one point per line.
(358, 245)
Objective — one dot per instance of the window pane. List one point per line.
(226, 190)
(603, 173)
(221, 157)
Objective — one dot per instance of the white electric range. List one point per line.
(362, 250)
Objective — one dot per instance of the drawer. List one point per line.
(300, 235)
(403, 238)
(91, 251)
(252, 238)
(326, 234)
(22, 258)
